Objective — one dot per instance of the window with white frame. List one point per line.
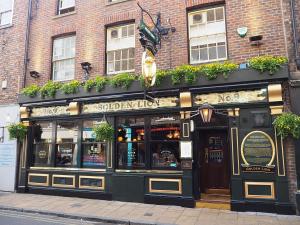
(6, 7)
(120, 49)
(207, 35)
(64, 58)
(65, 6)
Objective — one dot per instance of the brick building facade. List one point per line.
(90, 20)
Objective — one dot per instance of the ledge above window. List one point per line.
(6, 26)
(112, 2)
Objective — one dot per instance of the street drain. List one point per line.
(148, 214)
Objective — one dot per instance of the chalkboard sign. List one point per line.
(258, 149)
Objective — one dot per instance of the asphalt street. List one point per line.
(20, 218)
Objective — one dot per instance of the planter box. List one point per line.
(246, 76)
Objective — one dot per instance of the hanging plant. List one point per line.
(288, 124)
(31, 91)
(123, 80)
(50, 89)
(267, 63)
(104, 132)
(99, 83)
(71, 88)
(17, 131)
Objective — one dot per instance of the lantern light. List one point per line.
(206, 111)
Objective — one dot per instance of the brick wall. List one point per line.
(12, 46)
(91, 17)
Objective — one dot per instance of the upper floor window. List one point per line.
(65, 6)
(120, 49)
(64, 58)
(207, 35)
(6, 7)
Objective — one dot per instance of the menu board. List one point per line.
(257, 149)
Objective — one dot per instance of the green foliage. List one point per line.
(71, 88)
(288, 124)
(99, 83)
(267, 63)
(212, 70)
(17, 131)
(104, 132)
(123, 80)
(31, 90)
(50, 89)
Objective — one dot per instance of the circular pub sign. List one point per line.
(258, 149)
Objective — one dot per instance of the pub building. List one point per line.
(213, 139)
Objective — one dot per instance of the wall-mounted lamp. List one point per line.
(205, 111)
(34, 74)
(86, 66)
(256, 40)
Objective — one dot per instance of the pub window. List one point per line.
(93, 152)
(64, 58)
(164, 143)
(130, 142)
(6, 7)
(66, 6)
(66, 143)
(42, 134)
(120, 49)
(207, 35)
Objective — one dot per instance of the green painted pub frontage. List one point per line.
(162, 151)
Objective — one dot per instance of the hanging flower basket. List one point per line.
(17, 131)
(104, 132)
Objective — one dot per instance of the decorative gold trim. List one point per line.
(275, 93)
(38, 175)
(26, 123)
(185, 99)
(63, 185)
(277, 150)
(233, 151)
(237, 111)
(24, 112)
(150, 171)
(67, 169)
(276, 110)
(92, 187)
(282, 154)
(271, 184)
(271, 141)
(185, 126)
(179, 181)
(230, 112)
(74, 108)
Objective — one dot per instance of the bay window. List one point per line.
(207, 35)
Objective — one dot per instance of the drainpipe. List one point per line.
(295, 34)
(27, 42)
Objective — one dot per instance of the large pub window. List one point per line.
(42, 138)
(66, 144)
(164, 142)
(93, 152)
(130, 142)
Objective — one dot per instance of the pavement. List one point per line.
(116, 212)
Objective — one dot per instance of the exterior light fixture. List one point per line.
(205, 111)
(148, 68)
(34, 74)
(86, 66)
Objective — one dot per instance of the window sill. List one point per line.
(209, 61)
(119, 72)
(116, 2)
(6, 26)
(65, 14)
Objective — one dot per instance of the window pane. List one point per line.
(221, 51)
(5, 18)
(93, 154)
(114, 34)
(42, 134)
(211, 15)
(165, 128)
(165, 154)
(220, 14)
(203, 53)
(6, 5)
(124, 65)
(195, 53)
(131, 64)
(117, 66)
(118, 55)
(125, 54)
(131, 53)
(212, 51)
(110, 56)
(124, 31)
(130, 139)
(66, 143)
(131, 30)
(110, 67)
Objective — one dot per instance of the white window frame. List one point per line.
(63, 59)
(119, 38)
(61, 9)
(207, 36)
(11, 18)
